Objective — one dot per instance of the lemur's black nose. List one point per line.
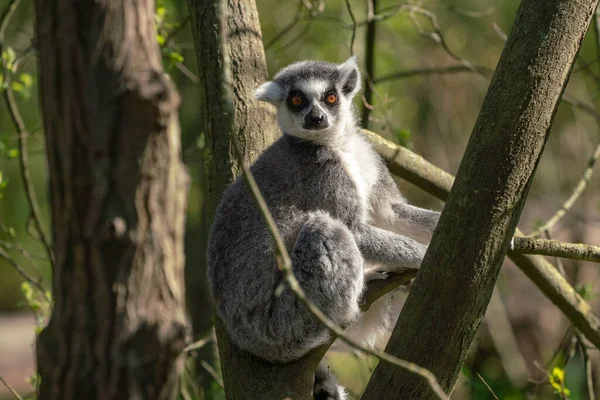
(316, 117)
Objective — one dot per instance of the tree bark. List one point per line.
(253, 122)
(453, 287)
(118, 193)
(240, 58)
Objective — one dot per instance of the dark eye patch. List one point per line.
(327, 93)
(292, 100)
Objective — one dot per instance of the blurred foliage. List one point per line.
(431, 113)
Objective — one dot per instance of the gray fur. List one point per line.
(331, 196)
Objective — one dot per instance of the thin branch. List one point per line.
(198, 344)
(576, 103)
(369, 62)
(5, 19)
(22, 134)
(436, 35)
(354, 26)
(13, 391)
(284, 262)
(24, 274)
(187, 73)
(24, 167)
(581, 185)
(587, 364)
(505, 342)
(212, 372)
(437, 182)
(554, 248)
(288, 27)
(596, 24)
(431, 71)
(173, 32)
(488, 386)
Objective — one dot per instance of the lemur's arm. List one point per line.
(417, 217)
(393, 212)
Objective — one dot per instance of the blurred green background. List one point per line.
(432, 114)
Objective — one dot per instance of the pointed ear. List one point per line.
(270, 92)
(350, 77)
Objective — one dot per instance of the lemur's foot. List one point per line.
(326, 385)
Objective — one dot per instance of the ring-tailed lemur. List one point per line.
(335, 204)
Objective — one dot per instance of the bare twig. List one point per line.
(451, 69)
(415, 169)
(436, 35)
(24, 167)
(24, 274)
(354, 26)
(187, 73)
(284, 262)
(576, 103)
(581, 185)
(587, 364)
(173, 32)
(369, 62)
(22, 134)
(198, 344)
(7, 14)
(554, 248)
(297, 18)
(596, 24)
(13, 391)
(488, 386)
(505, 342)
(212, 372)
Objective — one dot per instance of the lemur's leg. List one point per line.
(382, 246)
(326, 385)
(329, 267)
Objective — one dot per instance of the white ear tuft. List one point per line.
(350, 76)
(270, 92)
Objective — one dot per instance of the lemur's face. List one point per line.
(313, 98)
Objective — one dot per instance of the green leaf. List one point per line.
(402, 137)
(160, 39)
(12, 153)
(8, 57)
(26, 79)
(586, 291)
(11, 232)
(17, 87)
(175, 58)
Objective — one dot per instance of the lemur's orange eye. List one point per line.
(331, 98)
(296, 100)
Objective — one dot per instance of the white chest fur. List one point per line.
(360, 162)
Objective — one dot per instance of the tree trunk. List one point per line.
(455, 282)
(118, 193)
(253, 122)
(243, 61)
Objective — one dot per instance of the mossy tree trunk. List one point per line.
(453, 287)
(118, 193)
(242, 63)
